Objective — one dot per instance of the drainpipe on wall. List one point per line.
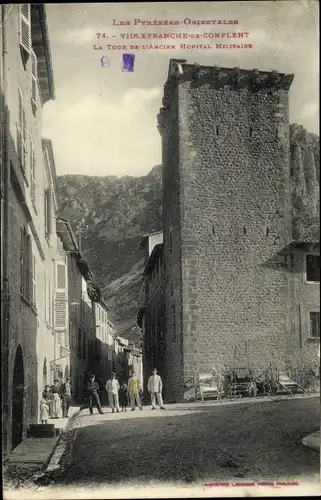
(5, 244)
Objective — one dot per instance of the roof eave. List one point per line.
(156, 250)
(66, 235)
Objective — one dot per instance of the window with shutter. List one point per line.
(46, 296)
(60, 310)
(61, 301)
(25, 27)
(61, 276)
(48, 212)
(22, 138)
(49, 298)
(29, 271)
(23, 262)
(34, 82)
(33, 281)
(33, 179)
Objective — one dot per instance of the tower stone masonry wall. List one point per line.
(235, 218)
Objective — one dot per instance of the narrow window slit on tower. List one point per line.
(213, 230)
(217, 131)
(244, 230)
(267, 231)
(251, 131)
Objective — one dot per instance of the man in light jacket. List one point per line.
(112, 388)
(133, 391)
(155, 387)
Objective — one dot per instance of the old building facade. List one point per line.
(152, 315)
(237, 289)
(26, 84)
(104, 345)
(49, 275)
(75, 323)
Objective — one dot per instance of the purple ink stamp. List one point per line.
(104, 61)
(128, 62)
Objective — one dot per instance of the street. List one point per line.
(258, 441)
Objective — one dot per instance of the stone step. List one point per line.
(41, 431)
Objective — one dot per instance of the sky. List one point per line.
(103, 120)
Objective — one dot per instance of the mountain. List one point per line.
(111, 214)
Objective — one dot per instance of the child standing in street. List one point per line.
(44, 411)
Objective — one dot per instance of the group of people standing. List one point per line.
(56, 400)
(121, 396)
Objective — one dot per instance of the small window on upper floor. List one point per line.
(312, 268)
(314, 331)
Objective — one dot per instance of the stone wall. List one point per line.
(235, 219)
(22, 330)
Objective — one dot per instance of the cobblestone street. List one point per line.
(241, 441)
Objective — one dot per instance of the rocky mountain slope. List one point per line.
(111, 214)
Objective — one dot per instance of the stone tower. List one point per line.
(227, 218)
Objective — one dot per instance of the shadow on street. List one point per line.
(253, 442)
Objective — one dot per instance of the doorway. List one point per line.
(17, 399)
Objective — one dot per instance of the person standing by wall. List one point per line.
(56, 401)
(92, 390)
(66, 394)
(133, 390)
(48, 396)
(155, 387)
(123, 397)
(112, 388)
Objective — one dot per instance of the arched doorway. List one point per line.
(44, 374)
(17, 399)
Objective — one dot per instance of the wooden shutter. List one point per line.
(33, 282)
(50, 303)
(33, 177)
(22, 262)
(28, 269)
(49, 211)
(34, 81)
(60, 310)
(22, 137)
(61, 276)
(25, 27)
(61, 299)
(46, 296)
